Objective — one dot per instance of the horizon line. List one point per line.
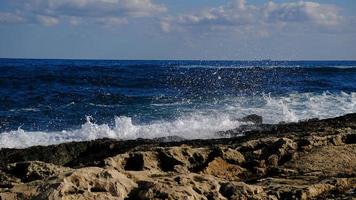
(229, 60)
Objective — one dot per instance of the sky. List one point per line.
(180, 29)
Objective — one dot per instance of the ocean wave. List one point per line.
(104, 105)
(25, 110)
(295, 106)
(191, 127)
(197, 124)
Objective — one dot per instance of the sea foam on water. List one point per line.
(197, 124)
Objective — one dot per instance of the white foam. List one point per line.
(104, 106)
(25, 110)
(198, 123)
(191, 127)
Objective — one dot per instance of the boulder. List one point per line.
(256, 119)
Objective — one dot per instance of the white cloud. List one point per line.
(111, 21)
(302, 12)
(95, 8)
(11, 18)
(237, 15)
(114, 12)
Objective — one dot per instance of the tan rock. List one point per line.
(241, 190)
(233, 156)
(307, 160)
(220, 168)
(92, 183)
(34, 170)
(330, 160)
(191, 186)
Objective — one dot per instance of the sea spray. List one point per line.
(197, 124)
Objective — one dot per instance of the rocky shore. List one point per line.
(314, 159)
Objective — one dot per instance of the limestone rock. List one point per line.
(241, 190)
(34, 170)
(90, 183)
(314, 159)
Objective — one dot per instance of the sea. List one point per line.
(51, 101)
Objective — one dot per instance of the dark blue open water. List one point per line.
(52, 101)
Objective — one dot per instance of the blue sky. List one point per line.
(181, 29)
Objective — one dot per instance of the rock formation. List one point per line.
(314, 159)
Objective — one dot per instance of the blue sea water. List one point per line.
(51, 101)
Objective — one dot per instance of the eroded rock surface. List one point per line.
(314, 159)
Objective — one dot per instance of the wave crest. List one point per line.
(198, 124)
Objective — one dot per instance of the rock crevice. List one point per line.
(315, 159)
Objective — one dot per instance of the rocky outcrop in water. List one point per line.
(314, 159)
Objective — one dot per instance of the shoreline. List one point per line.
(302, 160)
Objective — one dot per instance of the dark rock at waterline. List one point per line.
(283, 161)
(256, 125)
(92, 153)
(72, 154)
(243, 128)
(173, 138)
(256, 119)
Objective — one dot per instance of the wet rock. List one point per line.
(169, 139)
(256, 119)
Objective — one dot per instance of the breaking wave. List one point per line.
(197, 124)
